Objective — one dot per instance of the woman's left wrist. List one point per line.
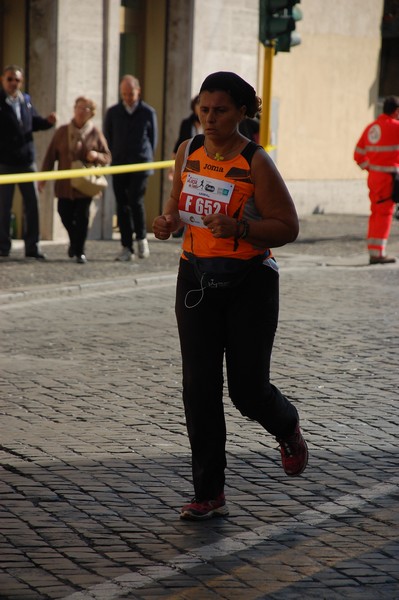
(242, 230)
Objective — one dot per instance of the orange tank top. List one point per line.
(211, 186)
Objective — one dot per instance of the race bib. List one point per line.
(203, 196)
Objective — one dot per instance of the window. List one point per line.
(389, 67)
(132, 38)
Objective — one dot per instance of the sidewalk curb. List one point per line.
(105, 285)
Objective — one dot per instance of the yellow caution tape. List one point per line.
(71, 173)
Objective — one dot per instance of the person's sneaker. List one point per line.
(199, 511)
(382, 260)
(294, 453)
(144, 251)
(125, 255)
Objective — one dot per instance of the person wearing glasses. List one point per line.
(18, 120)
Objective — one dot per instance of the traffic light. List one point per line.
(277, 21)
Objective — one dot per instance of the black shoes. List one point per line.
(37, 255)
(381, 260)
(79, 258)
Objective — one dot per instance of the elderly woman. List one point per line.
(235, 206)
(78, 140)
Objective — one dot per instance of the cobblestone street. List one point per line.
(94, 456)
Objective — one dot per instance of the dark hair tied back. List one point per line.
(241, 92)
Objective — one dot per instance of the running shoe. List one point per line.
(144, 250)
(294, 453)
(199, 511)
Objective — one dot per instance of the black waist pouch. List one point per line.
(222, 272)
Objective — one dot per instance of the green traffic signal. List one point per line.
(277, 19)
(286, 41)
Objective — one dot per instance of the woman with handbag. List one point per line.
(79, 140)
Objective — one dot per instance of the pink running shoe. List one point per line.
(294, 453)
(199, 511)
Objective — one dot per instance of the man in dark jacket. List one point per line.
(18, 121)
(131, 131)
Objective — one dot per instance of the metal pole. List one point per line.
(264, 133)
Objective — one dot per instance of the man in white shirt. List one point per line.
(131, 131)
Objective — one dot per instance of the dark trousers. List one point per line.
(129, 190)
(238, 323)
(30, 232)
(75, 218)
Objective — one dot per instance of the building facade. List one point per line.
(324, 91)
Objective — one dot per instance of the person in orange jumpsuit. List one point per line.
(377, 151)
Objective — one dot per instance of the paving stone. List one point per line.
(94, 458)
